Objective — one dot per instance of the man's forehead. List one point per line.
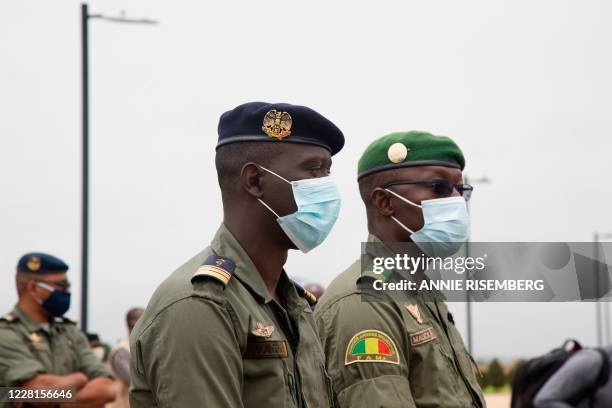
(296, 154)
(54, 277)
(425, 172)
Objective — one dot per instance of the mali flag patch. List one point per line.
(371, 346)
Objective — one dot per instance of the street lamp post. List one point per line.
(468, 303)
(85, 16)
(602, 333)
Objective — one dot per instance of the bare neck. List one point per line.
(33, 310)
(268, 255)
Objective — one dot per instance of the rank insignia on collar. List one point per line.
(277, 124)
(263, 331)
(415, 312)
(38, 343)
(371, 346)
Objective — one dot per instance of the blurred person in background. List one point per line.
(583, 381)
(101, 350)
(39, 348)
(119, 360)
(316, 289)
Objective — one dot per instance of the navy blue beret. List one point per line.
(278, 122)
(38, 262)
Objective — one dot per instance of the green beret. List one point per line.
(409, 149)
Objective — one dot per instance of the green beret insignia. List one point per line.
(397, 152)
(409, 149)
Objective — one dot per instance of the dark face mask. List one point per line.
(58, 301)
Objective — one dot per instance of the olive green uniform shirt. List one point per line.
(432, 368)
(27, 350)
(202, 344)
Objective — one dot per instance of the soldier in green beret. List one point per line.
(39, 348)
(401, 349)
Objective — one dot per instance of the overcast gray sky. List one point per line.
(523, 86)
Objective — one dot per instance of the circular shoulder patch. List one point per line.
(397, 152)
(371, 346)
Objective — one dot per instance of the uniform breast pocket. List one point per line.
(432, 370)
(62, 354)
(465, 358)
(267, 377)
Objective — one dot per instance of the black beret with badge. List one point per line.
(41, 263)
(278, 123)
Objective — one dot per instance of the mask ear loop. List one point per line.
(268, 207)
(261, 201)
(270, 171)
(45, 286)
(402, 225)
(406, 201)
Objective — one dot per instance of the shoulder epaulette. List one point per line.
(370, 275)
(67, 320)
(310, 298)
(216, 267)
(9, 318)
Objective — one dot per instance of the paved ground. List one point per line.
(501, 400)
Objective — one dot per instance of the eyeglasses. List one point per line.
(441, 188)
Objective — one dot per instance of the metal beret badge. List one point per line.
(277, 124)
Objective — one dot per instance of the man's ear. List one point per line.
(30, 286)
(250, 179)
(381, 200)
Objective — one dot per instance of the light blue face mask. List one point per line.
(446, 227)
(318, 206)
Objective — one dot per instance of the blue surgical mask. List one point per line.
(318, 206)
(446, 225)
(58, 301)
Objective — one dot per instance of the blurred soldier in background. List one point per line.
(119, 360)
(229, 328)
(101, 350)
(41, 349)
(316, 289)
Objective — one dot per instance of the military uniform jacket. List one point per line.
(399, 350)
(202, 344)
(27, 350)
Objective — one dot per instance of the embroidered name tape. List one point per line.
(266, 349)
(422, 336)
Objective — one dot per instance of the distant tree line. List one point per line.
(495, 377)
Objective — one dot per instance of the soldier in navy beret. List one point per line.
(279, 123)
(39, 348)
(235, 330)
(39, 263)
